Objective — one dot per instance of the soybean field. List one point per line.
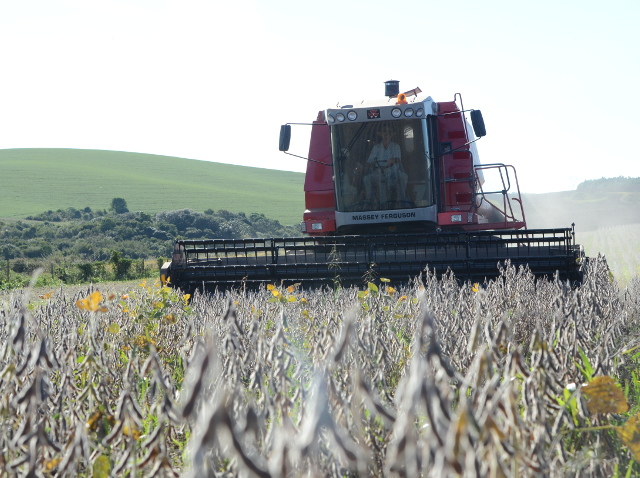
(512, 377)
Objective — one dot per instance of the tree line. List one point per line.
(75, 245)
(619, 184)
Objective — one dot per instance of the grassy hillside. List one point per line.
(37, 180)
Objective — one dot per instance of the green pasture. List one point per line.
(37, 180)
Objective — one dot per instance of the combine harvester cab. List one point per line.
(393, 187)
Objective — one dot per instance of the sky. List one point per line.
(556, 81)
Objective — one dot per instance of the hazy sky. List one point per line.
(557, 81)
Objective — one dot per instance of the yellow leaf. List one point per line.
(101, 467)
(114, 328)
(51, 465)
(604, 396)
(383, 279)
(629, 434)
(475, 287)
(391, 290)
(291, 299)
(270, 286)
(111, 297)
(92, 423)
(404, 297)
(275, 292)
(303, 300)
(46, 296)
(131, 432)
(170, 318)
(291, 288)
(91, 303)
(186, 298)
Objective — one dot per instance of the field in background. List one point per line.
(606, 223)
(588, 210)
(37, 180)
(619, 244)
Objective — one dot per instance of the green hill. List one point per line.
(37, 180)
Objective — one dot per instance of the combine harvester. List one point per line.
(393, 187)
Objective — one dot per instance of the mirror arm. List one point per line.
(308, 159)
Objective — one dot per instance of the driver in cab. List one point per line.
(385, 174)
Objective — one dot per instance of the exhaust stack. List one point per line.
(391, 88)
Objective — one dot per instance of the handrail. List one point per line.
(508, 210)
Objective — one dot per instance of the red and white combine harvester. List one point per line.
(393, 186)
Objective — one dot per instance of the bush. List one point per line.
(121, 265)
(86, 271)
(11, 251)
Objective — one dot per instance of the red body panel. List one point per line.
(457, 182)
(319, 192)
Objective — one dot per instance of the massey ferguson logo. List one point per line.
(373, 114)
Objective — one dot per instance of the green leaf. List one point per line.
(372, 287)
(587, 371)
(114, 328)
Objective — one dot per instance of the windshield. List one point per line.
(381, 166)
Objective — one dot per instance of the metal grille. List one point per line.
(323, 260)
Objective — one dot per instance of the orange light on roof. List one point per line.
(402, 99)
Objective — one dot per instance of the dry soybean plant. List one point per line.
(513, 377)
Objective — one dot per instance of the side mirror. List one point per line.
(478, 123)
(285, 137)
